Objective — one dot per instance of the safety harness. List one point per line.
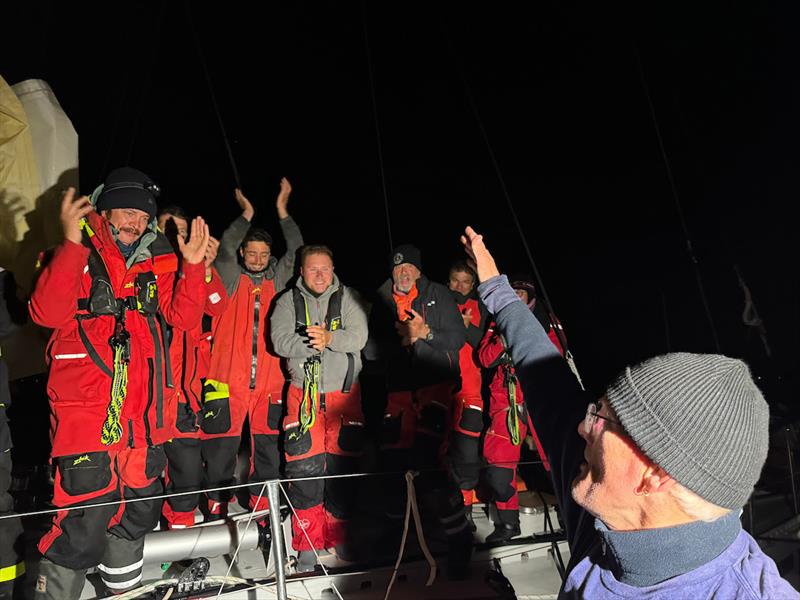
(313, 365)
(510, 381)
(103, 302)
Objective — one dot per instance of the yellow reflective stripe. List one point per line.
(9, 573)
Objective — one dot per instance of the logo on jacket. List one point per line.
(81, 459)
(398, 258)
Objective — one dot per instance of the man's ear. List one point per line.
(655, 480)
(241, 251)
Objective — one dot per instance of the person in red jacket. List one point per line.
(107, 291)
(245, 377)
(190, 353)
(509, 421)
(464, 449)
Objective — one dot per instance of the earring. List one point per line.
(641, 492)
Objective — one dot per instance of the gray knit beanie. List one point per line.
(701, 418)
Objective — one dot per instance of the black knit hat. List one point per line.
(522, 281)
(406, 253)
(128, 188)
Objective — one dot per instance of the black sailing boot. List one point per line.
(506, 527)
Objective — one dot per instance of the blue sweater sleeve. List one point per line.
(554, 399)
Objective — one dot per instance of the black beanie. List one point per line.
(523, 281)
(406, 253)
(128, 188)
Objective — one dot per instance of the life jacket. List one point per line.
(103, 302)
(311, 367)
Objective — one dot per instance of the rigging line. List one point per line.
(378, 139)
(249, 484)
(498, 172)
(676, 198)
(148, 81)
(211, 93)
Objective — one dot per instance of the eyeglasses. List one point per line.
(591, 417)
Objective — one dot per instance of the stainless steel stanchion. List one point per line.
(274, 497)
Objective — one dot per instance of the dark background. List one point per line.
(562, 99)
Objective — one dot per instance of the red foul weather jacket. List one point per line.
(79, 387)
(190, 351)
(491, 353)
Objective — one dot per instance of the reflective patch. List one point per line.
(215, 297)
(69, 356)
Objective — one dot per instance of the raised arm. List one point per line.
(291, 234)
(58, 286)
(183, 307)
(227, 259)
(555, 401)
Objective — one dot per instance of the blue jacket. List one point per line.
(697, 560)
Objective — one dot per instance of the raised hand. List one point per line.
(194, 251)
(247, 208)
(283, 198)
(479, 257)
(72, 211)
(211, 251)
(467, 317)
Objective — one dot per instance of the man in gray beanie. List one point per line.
(652, 476)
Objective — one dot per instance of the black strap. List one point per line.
(92, 352)
(166, 331)
(151, 323)
(351, 369)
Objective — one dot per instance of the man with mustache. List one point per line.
(651, 478)
(416, 333)
(108, 292)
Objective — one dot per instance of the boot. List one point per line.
(217, 510)
(506, 527)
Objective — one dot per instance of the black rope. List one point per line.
(377, 124)
(675, 197)
(213, 96)
(498, 172)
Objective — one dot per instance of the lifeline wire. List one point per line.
(308, 539)
(236, 487)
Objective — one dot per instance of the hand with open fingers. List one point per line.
(479, 257)
(247, 208)
(467, 317)
(283, 198)
(72, 211)
(194, 251)
(211, 251)
(319, 337)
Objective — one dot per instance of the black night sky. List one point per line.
(561, 96)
